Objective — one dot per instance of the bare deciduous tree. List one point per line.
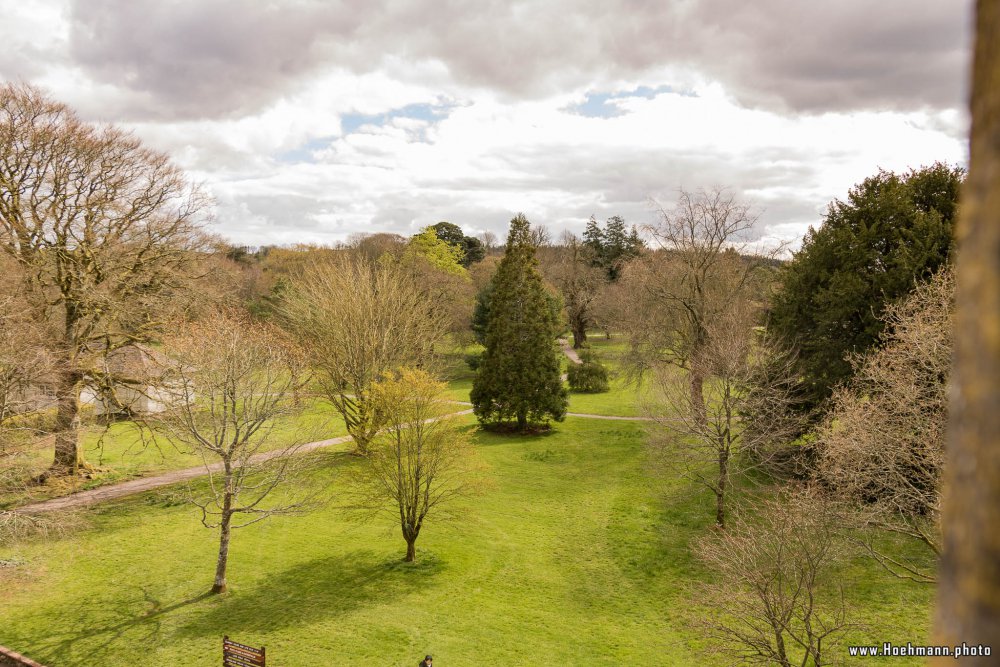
(25, 369)
(422, 460)
(743, 415)
(773, 598)
(883, 442)
(541, 237)
(360, 320)
(231, 382)
(568, 267)
(702, 266)
(490, 241)
(103, 230)
(25, 363)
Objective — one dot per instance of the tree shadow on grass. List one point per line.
(490, 437)
(320, 589)
(98, 642)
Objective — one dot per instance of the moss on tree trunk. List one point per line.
(969, 594)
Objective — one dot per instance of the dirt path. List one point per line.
(587, 415)
(569, 351)
(113, 491)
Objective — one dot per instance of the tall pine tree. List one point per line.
(612, 247)
(519, 376)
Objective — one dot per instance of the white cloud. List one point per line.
(792, 112)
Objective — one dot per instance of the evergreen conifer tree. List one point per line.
(519, 377)
(893, 231)
(613, 246)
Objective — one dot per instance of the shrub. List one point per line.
(590, 376)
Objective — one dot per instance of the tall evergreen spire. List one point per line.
(519, 377)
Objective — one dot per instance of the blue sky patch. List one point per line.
(432, 113)
(304, 152)
(353, 122)
(601, 105)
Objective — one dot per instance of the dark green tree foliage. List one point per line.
(472, 248)
(893, 231)
(610, 248)
(481, 311)
(519, 377)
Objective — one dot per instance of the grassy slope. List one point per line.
(577, 556)
(573, 558)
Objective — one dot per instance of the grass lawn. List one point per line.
(119, 452)
(625, 399)
(576, 556)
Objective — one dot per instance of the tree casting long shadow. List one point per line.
(318, 589)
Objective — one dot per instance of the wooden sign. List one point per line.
(241, 655)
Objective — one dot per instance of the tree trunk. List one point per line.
(720, 489)
(411, 550)
(969, 594)
(68, 455)
(579, 333)
(411, 529)
(362, 429)
(779, 643)
(224, 534)
(697, 382)
(522, 421)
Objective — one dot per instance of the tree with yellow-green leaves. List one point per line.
(421, 461)
(438, 253)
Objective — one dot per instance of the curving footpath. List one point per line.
(131, 487)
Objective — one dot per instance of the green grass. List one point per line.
(625, 399)
(120, 452)
(573, 557)
(578, 554)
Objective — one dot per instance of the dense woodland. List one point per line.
(799, 397)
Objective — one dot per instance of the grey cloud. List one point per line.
(819, 56)
(214, 58)
(196, 59)
(22, 63)
(256, 219)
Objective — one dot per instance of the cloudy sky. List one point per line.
(312, 119)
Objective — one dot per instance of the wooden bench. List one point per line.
(241, 655)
